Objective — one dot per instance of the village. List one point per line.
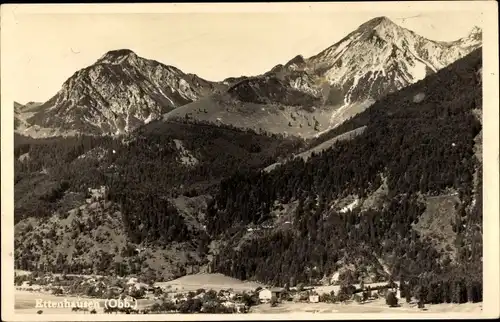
(168, 297)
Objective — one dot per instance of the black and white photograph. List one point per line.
(249, 161)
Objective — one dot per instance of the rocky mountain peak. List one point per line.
(296, 62)
(476, 33)
(378, 23)
(117, 56)
(380, 30)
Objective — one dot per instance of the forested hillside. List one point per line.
(156, 183)
(419, 143)
(162, 158)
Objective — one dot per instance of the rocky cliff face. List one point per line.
(118, 93)
(381, 57)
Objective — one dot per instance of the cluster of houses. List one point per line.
(51, 283)
(237, 302)
(28, 286)
(307, 294)
(225, 298)
(231, 299)
(134, 284)
(45, 283)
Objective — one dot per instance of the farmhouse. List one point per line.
(266, 294)
(314, 298)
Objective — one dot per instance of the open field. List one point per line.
(25, 304)
(215, 282)
(375, 306)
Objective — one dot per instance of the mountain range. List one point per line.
(304, 97)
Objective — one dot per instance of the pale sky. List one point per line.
(50, 47)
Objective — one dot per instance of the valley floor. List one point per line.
(25, 304)
(25, 300)
(375, 306)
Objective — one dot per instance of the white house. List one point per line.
(266, 294)
(139, 286)
(314, 298)
(132, 280)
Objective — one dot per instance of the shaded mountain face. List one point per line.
(230, 81)
(17, 120)
(287, 85)
(272, 89)
(22, 113)
(118, 93)
(308, 96)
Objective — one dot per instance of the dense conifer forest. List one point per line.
(148, 162)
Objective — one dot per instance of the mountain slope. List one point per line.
(18, 122)
(118, 93)
(22, 113)
(405, 191)
(156, 183)
(309, 96)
